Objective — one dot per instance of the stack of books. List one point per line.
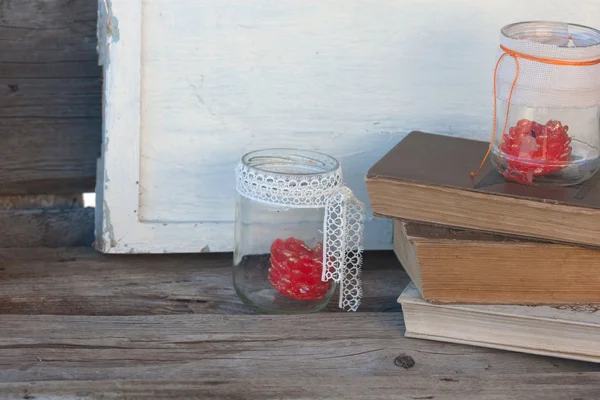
(493, 263)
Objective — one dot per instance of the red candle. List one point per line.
(531, 149)
(296, 270)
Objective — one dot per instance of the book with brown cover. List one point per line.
(463, 266)
(426, 177)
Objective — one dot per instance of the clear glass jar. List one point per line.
(547, 105)
(280, 229)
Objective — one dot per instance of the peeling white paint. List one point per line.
(112, 23)
(107, 31)
(109, 238)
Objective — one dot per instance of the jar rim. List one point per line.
(282, 161)
(577, 35)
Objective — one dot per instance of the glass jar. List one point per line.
(547, 103)
(298, 232)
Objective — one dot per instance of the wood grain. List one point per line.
(44, 201)
(208, 346)
(47, 228)
(50, 95)
(405, 386)
(48, 155)
(171, 326)
(55, 98)
(80, 281)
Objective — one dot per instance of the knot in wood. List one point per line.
(404, 361)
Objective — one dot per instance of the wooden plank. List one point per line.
(221, 349)
(84, 282)
(204, 346)
(50, 95)
(71, 26)
(47, 228)
(47, 155)
(551, 386)
(50, 98)
(44, 201)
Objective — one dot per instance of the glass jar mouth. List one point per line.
(287, 161)
(553, 33)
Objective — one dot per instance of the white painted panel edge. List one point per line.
(119, 36)
(118, 228)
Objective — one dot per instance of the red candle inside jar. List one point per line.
(292, 211)
(531, 149)
(296, 270)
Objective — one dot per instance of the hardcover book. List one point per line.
(426, 177)
(566, 331)
(463, 266)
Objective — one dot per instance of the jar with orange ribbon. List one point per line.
(546, 128)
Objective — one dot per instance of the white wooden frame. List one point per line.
(119, 229)
(454, 85)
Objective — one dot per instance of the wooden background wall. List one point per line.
(50, 120)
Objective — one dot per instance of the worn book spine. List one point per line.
(463, 266)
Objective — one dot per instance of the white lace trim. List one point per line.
(301, 191)
(343, 246)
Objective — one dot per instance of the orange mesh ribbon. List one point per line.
(516, 56)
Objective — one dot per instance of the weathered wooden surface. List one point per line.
(205, 346)
(50, 95)
(78, 324)
(84, 282)
(43, 201)
(552, 386)
(46, 227)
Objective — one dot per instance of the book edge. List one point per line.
(499, 346)
(406, 252)
(405, 298)
(498, 195)
(557, 210)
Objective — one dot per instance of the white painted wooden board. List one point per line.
(191, 85)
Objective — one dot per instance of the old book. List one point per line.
(426, 177)
(465, 266)
(567, 331)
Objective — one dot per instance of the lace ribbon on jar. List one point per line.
(342, 250)
(343, 224)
